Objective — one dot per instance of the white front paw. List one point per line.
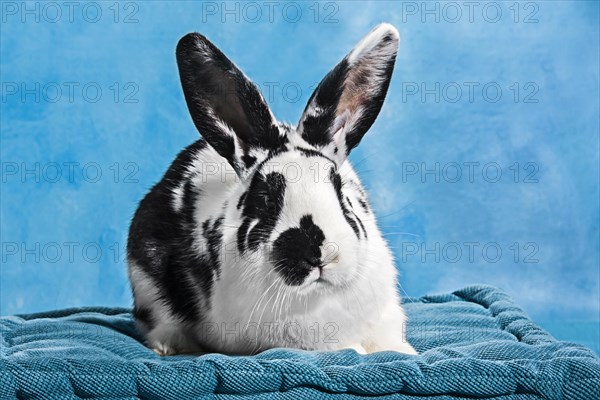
(357, 347)
(162, 349)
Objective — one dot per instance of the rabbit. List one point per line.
(260, 234)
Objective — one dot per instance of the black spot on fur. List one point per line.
(386, 39)
(214, 239)
(356, 216)
(312, 153)
(265, 202)
(274, 142)
(161, 241)
(144, 316)
(225, 145)
(361, 224)
(241, 201)
(298, 250)
(248, 160)
(364, 205)
(349, 202)
(336, 179)
(241, 235)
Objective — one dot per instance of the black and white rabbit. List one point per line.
(260, 234)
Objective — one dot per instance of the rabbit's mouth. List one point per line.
(324, 278)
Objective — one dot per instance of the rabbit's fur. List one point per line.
(260, 235)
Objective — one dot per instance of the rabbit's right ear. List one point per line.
(349, 98)
(226, 107)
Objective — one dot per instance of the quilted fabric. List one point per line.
(473, 343)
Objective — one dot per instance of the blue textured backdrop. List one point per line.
(483, 165)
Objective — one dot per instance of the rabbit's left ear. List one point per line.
(349, 98)
(226, 107)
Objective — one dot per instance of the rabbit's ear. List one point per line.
(349, 98)
(226, 107)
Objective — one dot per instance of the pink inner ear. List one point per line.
(338, 127)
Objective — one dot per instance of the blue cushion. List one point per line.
(473, 343)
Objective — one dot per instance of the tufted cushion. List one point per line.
(473, 343)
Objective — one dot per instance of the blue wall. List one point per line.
(92, 114)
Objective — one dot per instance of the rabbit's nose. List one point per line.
(314, 262)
